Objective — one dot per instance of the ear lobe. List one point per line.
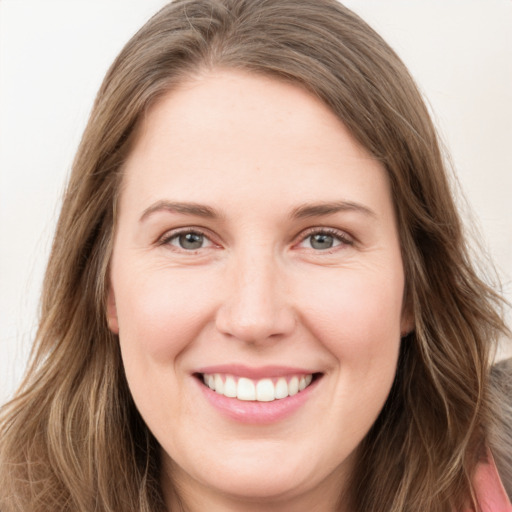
(407, 323)
(112, 320)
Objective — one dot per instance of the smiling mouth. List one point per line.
(262, 390)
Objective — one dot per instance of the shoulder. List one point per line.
(493, 477)
(500, 434)
(489, 491)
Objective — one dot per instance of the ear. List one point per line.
(407, 322)
(112, 320)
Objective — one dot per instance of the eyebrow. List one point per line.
(321, 209)
(300, 212)
(199, 210)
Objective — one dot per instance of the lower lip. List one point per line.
(257, 412)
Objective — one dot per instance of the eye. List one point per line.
(324, 239)
(187, 240)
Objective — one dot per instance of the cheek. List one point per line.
(162, 312)
(357, 316)
(358, 321)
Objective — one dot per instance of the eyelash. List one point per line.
(169, 236)
(341, 236)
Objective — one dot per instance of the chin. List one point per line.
(262, 474)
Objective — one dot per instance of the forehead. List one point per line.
(258, 106)
(252, 134)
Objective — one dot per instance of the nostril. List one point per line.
(256, 326)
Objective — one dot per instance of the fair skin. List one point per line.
(255, 239)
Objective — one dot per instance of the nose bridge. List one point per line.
(255, 306)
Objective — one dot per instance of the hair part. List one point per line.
(73, 424)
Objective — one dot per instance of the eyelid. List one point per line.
(339, 234)
(166, 238)
(342, 236)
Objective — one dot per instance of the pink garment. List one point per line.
(489, 490)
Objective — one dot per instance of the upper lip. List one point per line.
(260, 372)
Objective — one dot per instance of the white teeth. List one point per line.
(281, 388)
(263, 390)
(293, 387)
(230, 387)
(246, 389)
(219, 384)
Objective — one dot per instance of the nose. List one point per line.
(256, 308)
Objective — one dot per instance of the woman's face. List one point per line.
(257, 250)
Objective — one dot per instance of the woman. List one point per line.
(259, 295)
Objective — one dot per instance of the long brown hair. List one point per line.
(72, 440)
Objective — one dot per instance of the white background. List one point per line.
(54, 53)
